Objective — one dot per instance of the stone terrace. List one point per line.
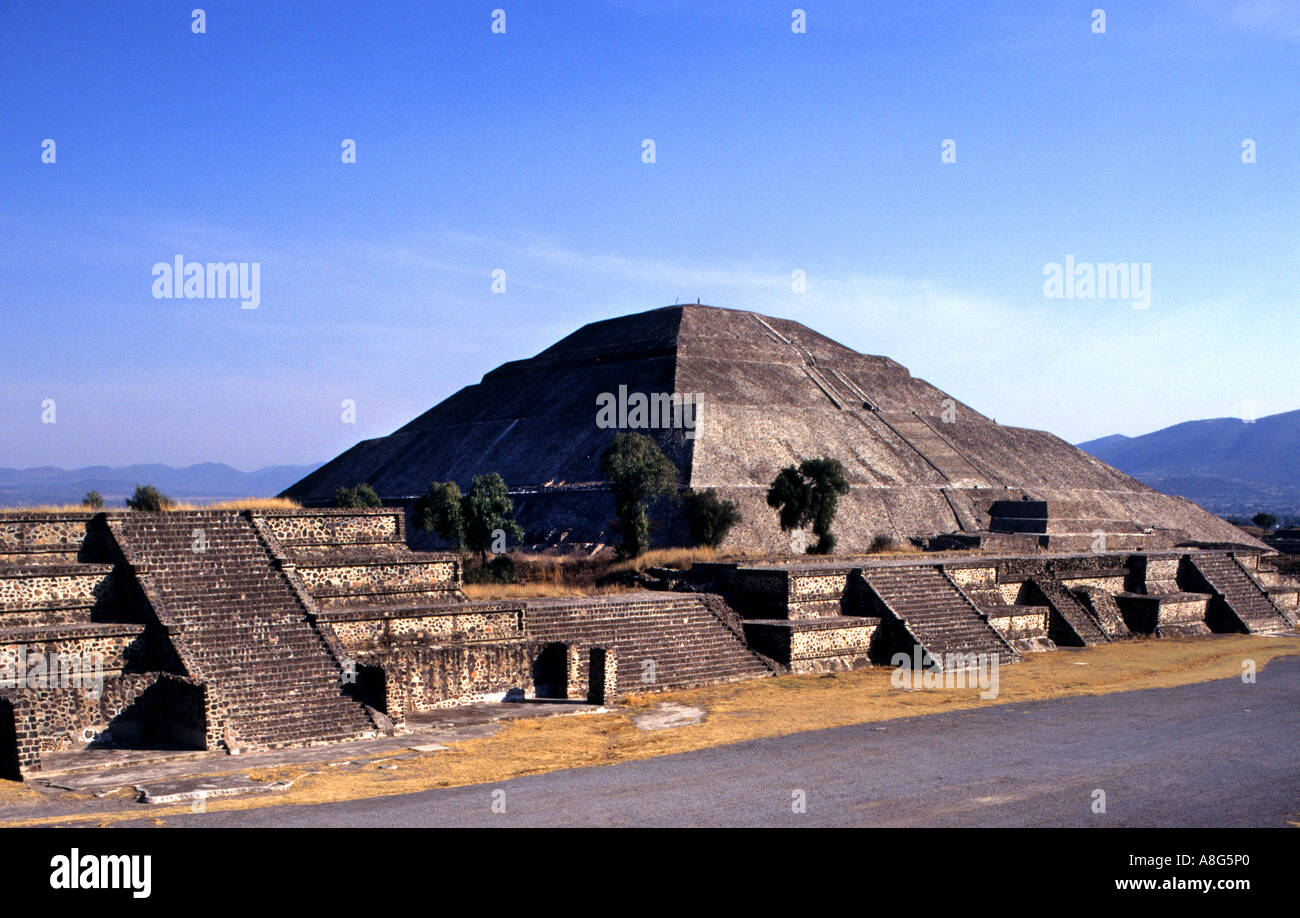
(244, 630)
(826, 615)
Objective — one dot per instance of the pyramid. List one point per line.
(767, 393)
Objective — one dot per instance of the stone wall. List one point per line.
(357, 577)
(1021, 623)
(113, 648)
(326, 526)
(662, 641)
(475, 623)
(84, 584)
(826, 645)
(64, 532)
(130, 710)
(419, 677)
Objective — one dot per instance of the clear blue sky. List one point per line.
(522, 151)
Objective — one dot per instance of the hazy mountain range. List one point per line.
(1226, 465)
(202, 482)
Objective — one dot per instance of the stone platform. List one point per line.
(249, 631)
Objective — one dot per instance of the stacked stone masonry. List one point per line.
(232, 630)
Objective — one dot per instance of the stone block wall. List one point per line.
(827, 645)
(130, 710)
(1021, 623)
(40, 537)
(112, 648)
(335, 527)
(662, 641)
(32, 586)
(419, 677)
(475, 623)
(395, 576)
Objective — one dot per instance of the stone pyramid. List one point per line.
(767, 392)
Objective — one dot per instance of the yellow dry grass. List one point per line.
(241, 503)
(536, 590)
(680, 558)
(744, 711)
(49, 508)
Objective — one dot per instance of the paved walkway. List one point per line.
(1211, 754)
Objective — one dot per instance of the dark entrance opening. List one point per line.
(596, 676)
(8, 742)
(551, 672)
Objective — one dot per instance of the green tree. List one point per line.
(94, 500)
(710, 517)
(791, 496)
(472, 520)
(147, 497)
(638, 473)
(1264, 520)
(487, 509)
(439, 511)
(359, 495)
(807, 494)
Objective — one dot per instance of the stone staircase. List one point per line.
(936, 613)
(685, 643)
(1242, 596)
(1103, 608)
(238, 625)
(1071, 611)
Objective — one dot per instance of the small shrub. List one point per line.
(500, 569)
(357, 496)
(882, 543)
(94, 500)
(147, 497)
(710, 517)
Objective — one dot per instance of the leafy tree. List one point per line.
(486, 509)
(439, 511)
(94, 500)
(638, 473)
(471, 520)
(791, 496)
(711, 518)
(359, 495)
(147, 497)
(1264, 520)
(807, 494)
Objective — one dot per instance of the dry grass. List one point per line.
(545, 575)
(241, 503)
(539, 590)
(751, 710)
(49, 508)
(680, 558)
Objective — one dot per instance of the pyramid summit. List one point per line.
(761, 393)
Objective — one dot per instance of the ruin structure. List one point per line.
(766, 393)
(239, 630)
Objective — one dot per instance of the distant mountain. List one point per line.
(202, 482)
(1226, 465)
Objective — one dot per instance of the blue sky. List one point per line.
(775, 152)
